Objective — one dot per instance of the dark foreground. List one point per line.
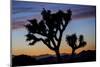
(24, 60)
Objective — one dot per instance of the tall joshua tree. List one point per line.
(51, 28)
(72, 42)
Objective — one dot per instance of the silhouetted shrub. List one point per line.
(72, 42)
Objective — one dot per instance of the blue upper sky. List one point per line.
(21, 10)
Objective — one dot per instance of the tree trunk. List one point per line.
(58, 56)
(73, 51)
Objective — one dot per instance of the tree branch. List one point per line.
(47, 44)
(52, 40)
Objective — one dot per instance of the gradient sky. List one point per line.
(83, 22)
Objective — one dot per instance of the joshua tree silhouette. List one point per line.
(51, 27)
(72, 42)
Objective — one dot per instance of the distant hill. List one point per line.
(23, 60)
(43, 56)
(89, 55)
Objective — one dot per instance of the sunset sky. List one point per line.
(83, 22)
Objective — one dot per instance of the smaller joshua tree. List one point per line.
(75, 42)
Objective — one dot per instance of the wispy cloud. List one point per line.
(18, 24)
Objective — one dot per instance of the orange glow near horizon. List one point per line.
(34, 51)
